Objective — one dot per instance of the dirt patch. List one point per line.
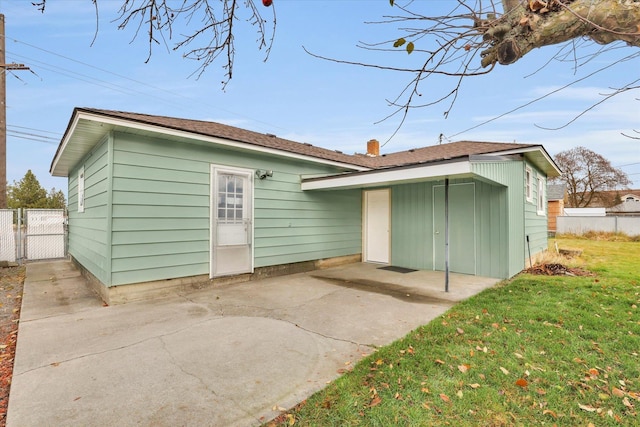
(11, 286)
(557, 270)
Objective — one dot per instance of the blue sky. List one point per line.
(294, 95)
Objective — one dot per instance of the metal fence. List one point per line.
(610, 224)
(32, 234)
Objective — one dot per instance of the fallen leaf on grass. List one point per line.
(375, 401)
(617, 392)
(587, 408)
(550, 412)
(521, 382)
(459, 394)
(460, 331)
(474, 385)
(291, 419)
(464, 368)
(440, 362)
(445, 397)
(504, 371)
(626, 403)
(518, 355)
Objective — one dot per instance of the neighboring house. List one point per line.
(158, 202)
(556, 194)
(630, 205)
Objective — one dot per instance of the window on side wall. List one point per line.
(528, 184)
(81, 190)
(540, 196)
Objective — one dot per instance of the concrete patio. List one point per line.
(231, 355)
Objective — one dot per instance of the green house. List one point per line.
(157, 203)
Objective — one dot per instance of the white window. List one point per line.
(529, 184)
(81, 190)
(540, 196)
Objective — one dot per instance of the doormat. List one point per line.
(397, 269)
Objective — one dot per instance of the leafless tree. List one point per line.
(470, 40)
(589, 177)
(208, 27)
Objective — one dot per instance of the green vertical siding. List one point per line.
(161, 210)
(414, 243)
(523, 219)
(88, 229)
(492, 235)
(412, 226)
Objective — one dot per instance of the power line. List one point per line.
(628, 164)
(36, 130)
(33, 137)
(155, 88)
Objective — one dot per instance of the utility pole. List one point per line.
(3, 114)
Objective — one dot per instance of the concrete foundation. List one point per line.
(113, 295)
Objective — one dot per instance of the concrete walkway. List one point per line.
(220, 356)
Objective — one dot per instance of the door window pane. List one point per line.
(230, 198)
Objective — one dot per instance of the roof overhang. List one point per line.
(433, 171)
(87, 129)
(537, 155)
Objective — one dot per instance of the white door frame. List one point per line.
(383, 237)
(248, 204)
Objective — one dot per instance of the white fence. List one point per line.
(629, 225)
(8, 236)
(32, 234)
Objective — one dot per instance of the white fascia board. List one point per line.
(389, 176)
(532, 149)
(63, 145)
(215, 140)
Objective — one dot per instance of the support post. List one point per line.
(446, 234)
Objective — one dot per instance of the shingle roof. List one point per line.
(414, 156)
(233, 133)
(556, 191)
(446, 151)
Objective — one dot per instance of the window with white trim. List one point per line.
(528, 184)
(81, 189)
(540, 196)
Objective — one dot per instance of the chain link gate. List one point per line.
(32, 234)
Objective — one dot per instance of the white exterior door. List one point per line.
(231, 221)
(377, 226)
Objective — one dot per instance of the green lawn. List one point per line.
(535, 350)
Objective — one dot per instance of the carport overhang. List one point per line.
(431, 171)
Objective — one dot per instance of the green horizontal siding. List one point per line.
(536, 226)
(88, 240)
(161, 210)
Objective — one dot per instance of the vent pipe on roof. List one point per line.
(373, 148)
